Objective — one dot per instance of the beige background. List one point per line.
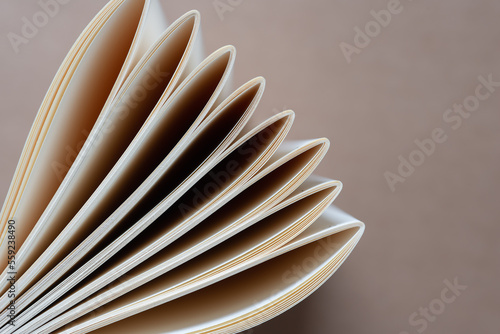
(441, 223)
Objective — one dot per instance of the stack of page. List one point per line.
(144, 202)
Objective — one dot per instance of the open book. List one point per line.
(144, 202)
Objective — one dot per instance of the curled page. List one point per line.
(145, 202)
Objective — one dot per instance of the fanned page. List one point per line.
(97, 76)
(239, 301)
(169, 202)
(111, 134)
(150, 145)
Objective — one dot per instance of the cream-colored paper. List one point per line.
(240, 301)
(171, 202)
